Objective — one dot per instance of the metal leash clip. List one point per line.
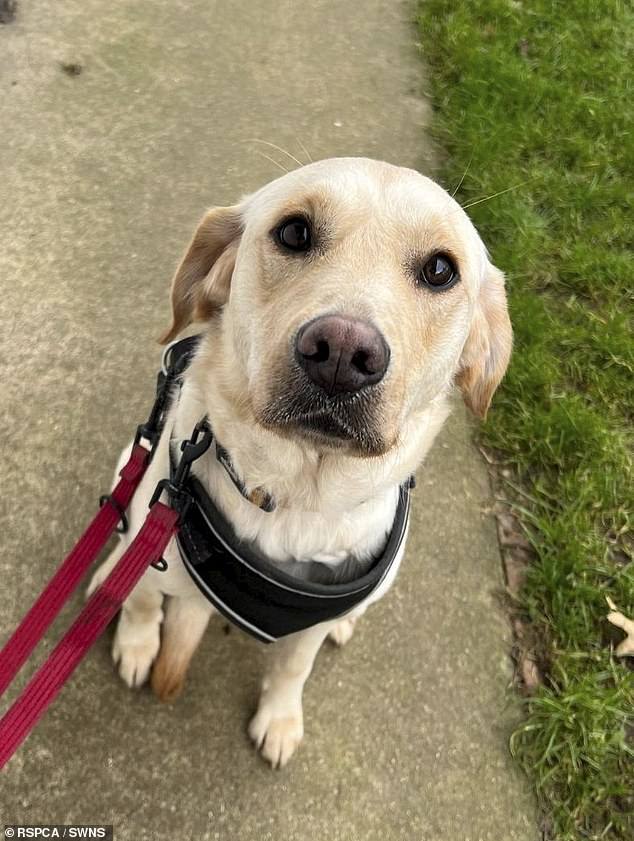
(191, 449)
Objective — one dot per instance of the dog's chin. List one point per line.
(324, 435)
(347, 423)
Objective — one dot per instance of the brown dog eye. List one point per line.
(439, 272)
(294, 234)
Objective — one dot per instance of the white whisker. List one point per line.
(495, 195)
(278, 148)
(305, 150)
(463, 177)
(262, 155)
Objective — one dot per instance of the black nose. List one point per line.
(342, 354)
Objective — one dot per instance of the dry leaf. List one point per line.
(626, 647)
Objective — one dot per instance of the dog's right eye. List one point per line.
(294, 234)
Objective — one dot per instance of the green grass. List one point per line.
(542, 92)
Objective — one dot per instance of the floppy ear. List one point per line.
(201, 283)
(487, 351)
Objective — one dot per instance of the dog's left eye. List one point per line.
(294, 234)
(439, 272)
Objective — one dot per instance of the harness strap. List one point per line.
(65, 580)
(160, 526)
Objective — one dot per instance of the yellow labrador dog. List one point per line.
(340, 304)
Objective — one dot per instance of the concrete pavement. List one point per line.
(119, 123)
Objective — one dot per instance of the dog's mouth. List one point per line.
(341, 421)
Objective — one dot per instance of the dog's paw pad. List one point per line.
(277, 739)
(134, 657)
(342, 631)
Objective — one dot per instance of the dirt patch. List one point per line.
(7, 10)
(71, 68)
(529, 652)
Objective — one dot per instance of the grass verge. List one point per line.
(541, 92)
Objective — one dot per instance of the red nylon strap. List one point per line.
(148, 546)
(64, 582)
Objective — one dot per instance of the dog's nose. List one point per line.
(342, 354)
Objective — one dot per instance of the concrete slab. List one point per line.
(105, 167)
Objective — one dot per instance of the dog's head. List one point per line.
(353, 293)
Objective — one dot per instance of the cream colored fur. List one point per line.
(333, 501)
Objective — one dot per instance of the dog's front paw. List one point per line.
(277, 738)
(135, 647)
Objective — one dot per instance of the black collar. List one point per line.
(242, 583)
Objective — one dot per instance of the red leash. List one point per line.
(160, 526)
(148, 546)
(57, 592)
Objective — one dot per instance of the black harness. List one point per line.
(244, 585)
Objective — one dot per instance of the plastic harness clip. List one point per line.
(123, 520)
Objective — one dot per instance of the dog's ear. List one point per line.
(487, 351)
(201, 283)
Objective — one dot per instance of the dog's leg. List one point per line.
(344, 628)
(104, 569)
(342, 631)
(184, 625)
(137, 638)
(277, 727)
